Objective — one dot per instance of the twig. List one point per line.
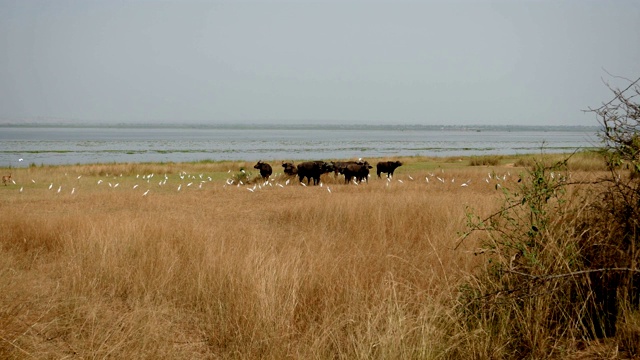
(574, 273)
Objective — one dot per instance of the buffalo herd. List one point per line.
(356, 171)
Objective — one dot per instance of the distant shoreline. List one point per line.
(277, 126)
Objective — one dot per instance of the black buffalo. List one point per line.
(387, 167)
(265, 169)
(359, 172)
(313, 170)
(289, 168)
(340, 165)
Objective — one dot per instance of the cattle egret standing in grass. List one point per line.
(145, 193)
(60, 189)
(179, 187)
(135, 186)
(50, 186)
(21, 188)
(73, 191)
(410, 178)
(426, 178)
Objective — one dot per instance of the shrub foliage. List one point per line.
(561, 255)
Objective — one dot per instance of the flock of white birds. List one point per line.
(183, 181)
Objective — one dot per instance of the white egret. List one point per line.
(146, 192)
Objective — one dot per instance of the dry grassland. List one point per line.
(95, 270)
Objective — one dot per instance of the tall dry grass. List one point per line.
(218, 271)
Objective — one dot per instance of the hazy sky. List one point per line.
(461, 62)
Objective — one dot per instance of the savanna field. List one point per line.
(181, 261)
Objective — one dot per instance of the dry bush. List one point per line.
(560, 269)
(491, 160)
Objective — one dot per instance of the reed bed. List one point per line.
(200, 268)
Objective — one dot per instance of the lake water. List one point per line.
(42, 145)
